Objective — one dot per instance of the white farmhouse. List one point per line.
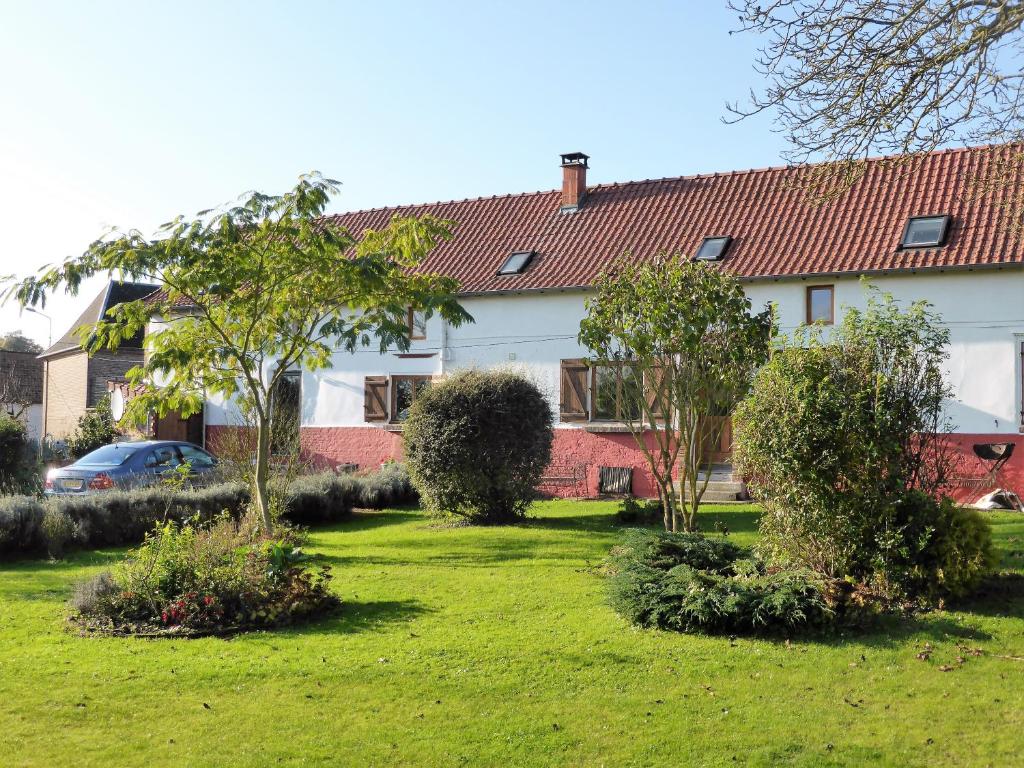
(919, 228)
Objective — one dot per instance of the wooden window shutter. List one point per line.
(573, 391)
(375, 398)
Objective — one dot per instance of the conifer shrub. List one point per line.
(477, 444)
(928, 550)
(687, 582)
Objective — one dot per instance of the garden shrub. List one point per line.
(19, 466)
(196, 579)
(20, 521)
(477, 445)
(932, 549)
(633, 511)
(842, 441)
(388, 486)
(57, 529)
(689, 583)
(96, 428)
(317, 499)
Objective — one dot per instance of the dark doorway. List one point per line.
(286, 402)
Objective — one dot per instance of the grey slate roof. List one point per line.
(115, 293)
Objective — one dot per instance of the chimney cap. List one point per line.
(575, 158)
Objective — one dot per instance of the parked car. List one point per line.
(131, 465)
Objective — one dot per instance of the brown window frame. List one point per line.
(589, 396)
(411, 326)
(592, 406)
(832, 304)
(393, 392)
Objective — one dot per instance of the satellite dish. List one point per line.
(117, 403)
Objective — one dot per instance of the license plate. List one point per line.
(75, 484)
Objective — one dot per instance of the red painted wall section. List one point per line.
(970, 468)
(327, 447)
(369, 447)
(602, 449)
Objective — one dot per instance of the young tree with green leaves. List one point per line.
(251, 291)
(687, 346)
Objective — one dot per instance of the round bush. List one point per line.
(477, 444)
(931, 549)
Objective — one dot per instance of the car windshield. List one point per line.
(109, 455)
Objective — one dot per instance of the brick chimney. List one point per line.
(574, 181)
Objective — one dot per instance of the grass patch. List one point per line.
(485, 646)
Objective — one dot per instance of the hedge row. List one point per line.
(29, 524)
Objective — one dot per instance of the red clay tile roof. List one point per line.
(776, 231)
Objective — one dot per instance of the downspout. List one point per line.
(444, 344)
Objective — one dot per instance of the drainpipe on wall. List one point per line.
(444, 344)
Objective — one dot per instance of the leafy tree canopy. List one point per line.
(15, 341)
(687, 344)
(254, 289)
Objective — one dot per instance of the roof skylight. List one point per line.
(925, 232)
(713, 248)
(517, 263)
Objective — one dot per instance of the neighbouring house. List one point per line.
(74, 382)
(21, 389)
(919, 228)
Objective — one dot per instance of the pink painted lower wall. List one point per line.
(580, 450)
(369, 447)
(327, 447)
(970, 475)
(573, 450)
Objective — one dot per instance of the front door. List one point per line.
(173, 427)
(718, 439)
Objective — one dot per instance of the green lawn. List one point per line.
(495, 647)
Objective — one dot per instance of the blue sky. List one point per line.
(129, 113)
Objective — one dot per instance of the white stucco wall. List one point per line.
(984, 311)
(533, 332)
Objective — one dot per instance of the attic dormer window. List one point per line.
(713, 248)
(925, 232)
(517, 263)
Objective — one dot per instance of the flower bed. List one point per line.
(193, 580)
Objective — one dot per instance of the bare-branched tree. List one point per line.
(850, 78)
(15, 391)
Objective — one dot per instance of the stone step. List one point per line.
(719, 497)
(722, 487)
(720, 473)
